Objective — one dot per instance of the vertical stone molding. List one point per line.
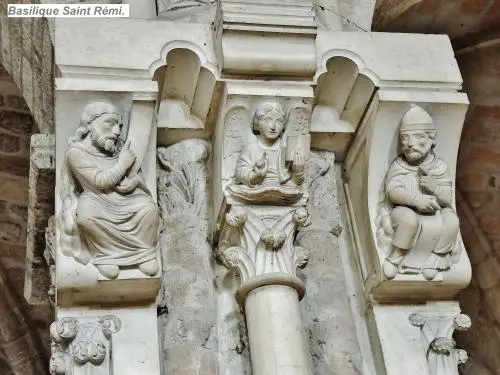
(326, 306)
(187, 299)
(40, 208)
(49, 255)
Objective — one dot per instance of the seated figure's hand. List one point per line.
(127, 156)
(299, 162)
(427, 204)
(259, 170)
(429, 184)
(128, 184)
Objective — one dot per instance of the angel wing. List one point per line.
(298, 121)
(237, 133)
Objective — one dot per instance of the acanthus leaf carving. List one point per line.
(83, 345)
(256, 246)
(182, 181)
(437, 336)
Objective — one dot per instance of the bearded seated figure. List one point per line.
(262, 175)
(419, 189)
(115, 218)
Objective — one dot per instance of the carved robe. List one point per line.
(114, 228)
(277, 172)
(431, 238)
(279, 185)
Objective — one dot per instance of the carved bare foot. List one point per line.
(390, 269)
(429, 273)
(149, 268)
(109, 271)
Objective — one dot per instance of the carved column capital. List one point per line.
(82, 345)
(437, 336)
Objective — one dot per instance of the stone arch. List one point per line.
(187, 88)
(342, 96)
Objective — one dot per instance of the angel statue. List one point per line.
(263, 175)
(108, 217)
(418, 189)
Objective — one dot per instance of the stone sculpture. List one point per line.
(437, 336)
(82, 346)
(263, 175)
(421, 221)
(108, 217)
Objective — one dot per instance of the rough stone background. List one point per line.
(326, 310)
(186, 303)
(23, 328)
(27, 56)
(26, 107)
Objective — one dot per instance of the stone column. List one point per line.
(275, 326)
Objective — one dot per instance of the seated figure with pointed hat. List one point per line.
(419, 189)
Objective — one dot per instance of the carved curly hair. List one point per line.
(90, 112)
(264, 110)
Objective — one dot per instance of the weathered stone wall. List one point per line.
(326, 310)
(26, 53)
(478, 178)
(186, 303)
(20, 323)
(26, 107)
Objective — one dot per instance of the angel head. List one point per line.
(269, 122)
(102, 122)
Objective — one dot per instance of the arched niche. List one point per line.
(186, 91)
(342, 96)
